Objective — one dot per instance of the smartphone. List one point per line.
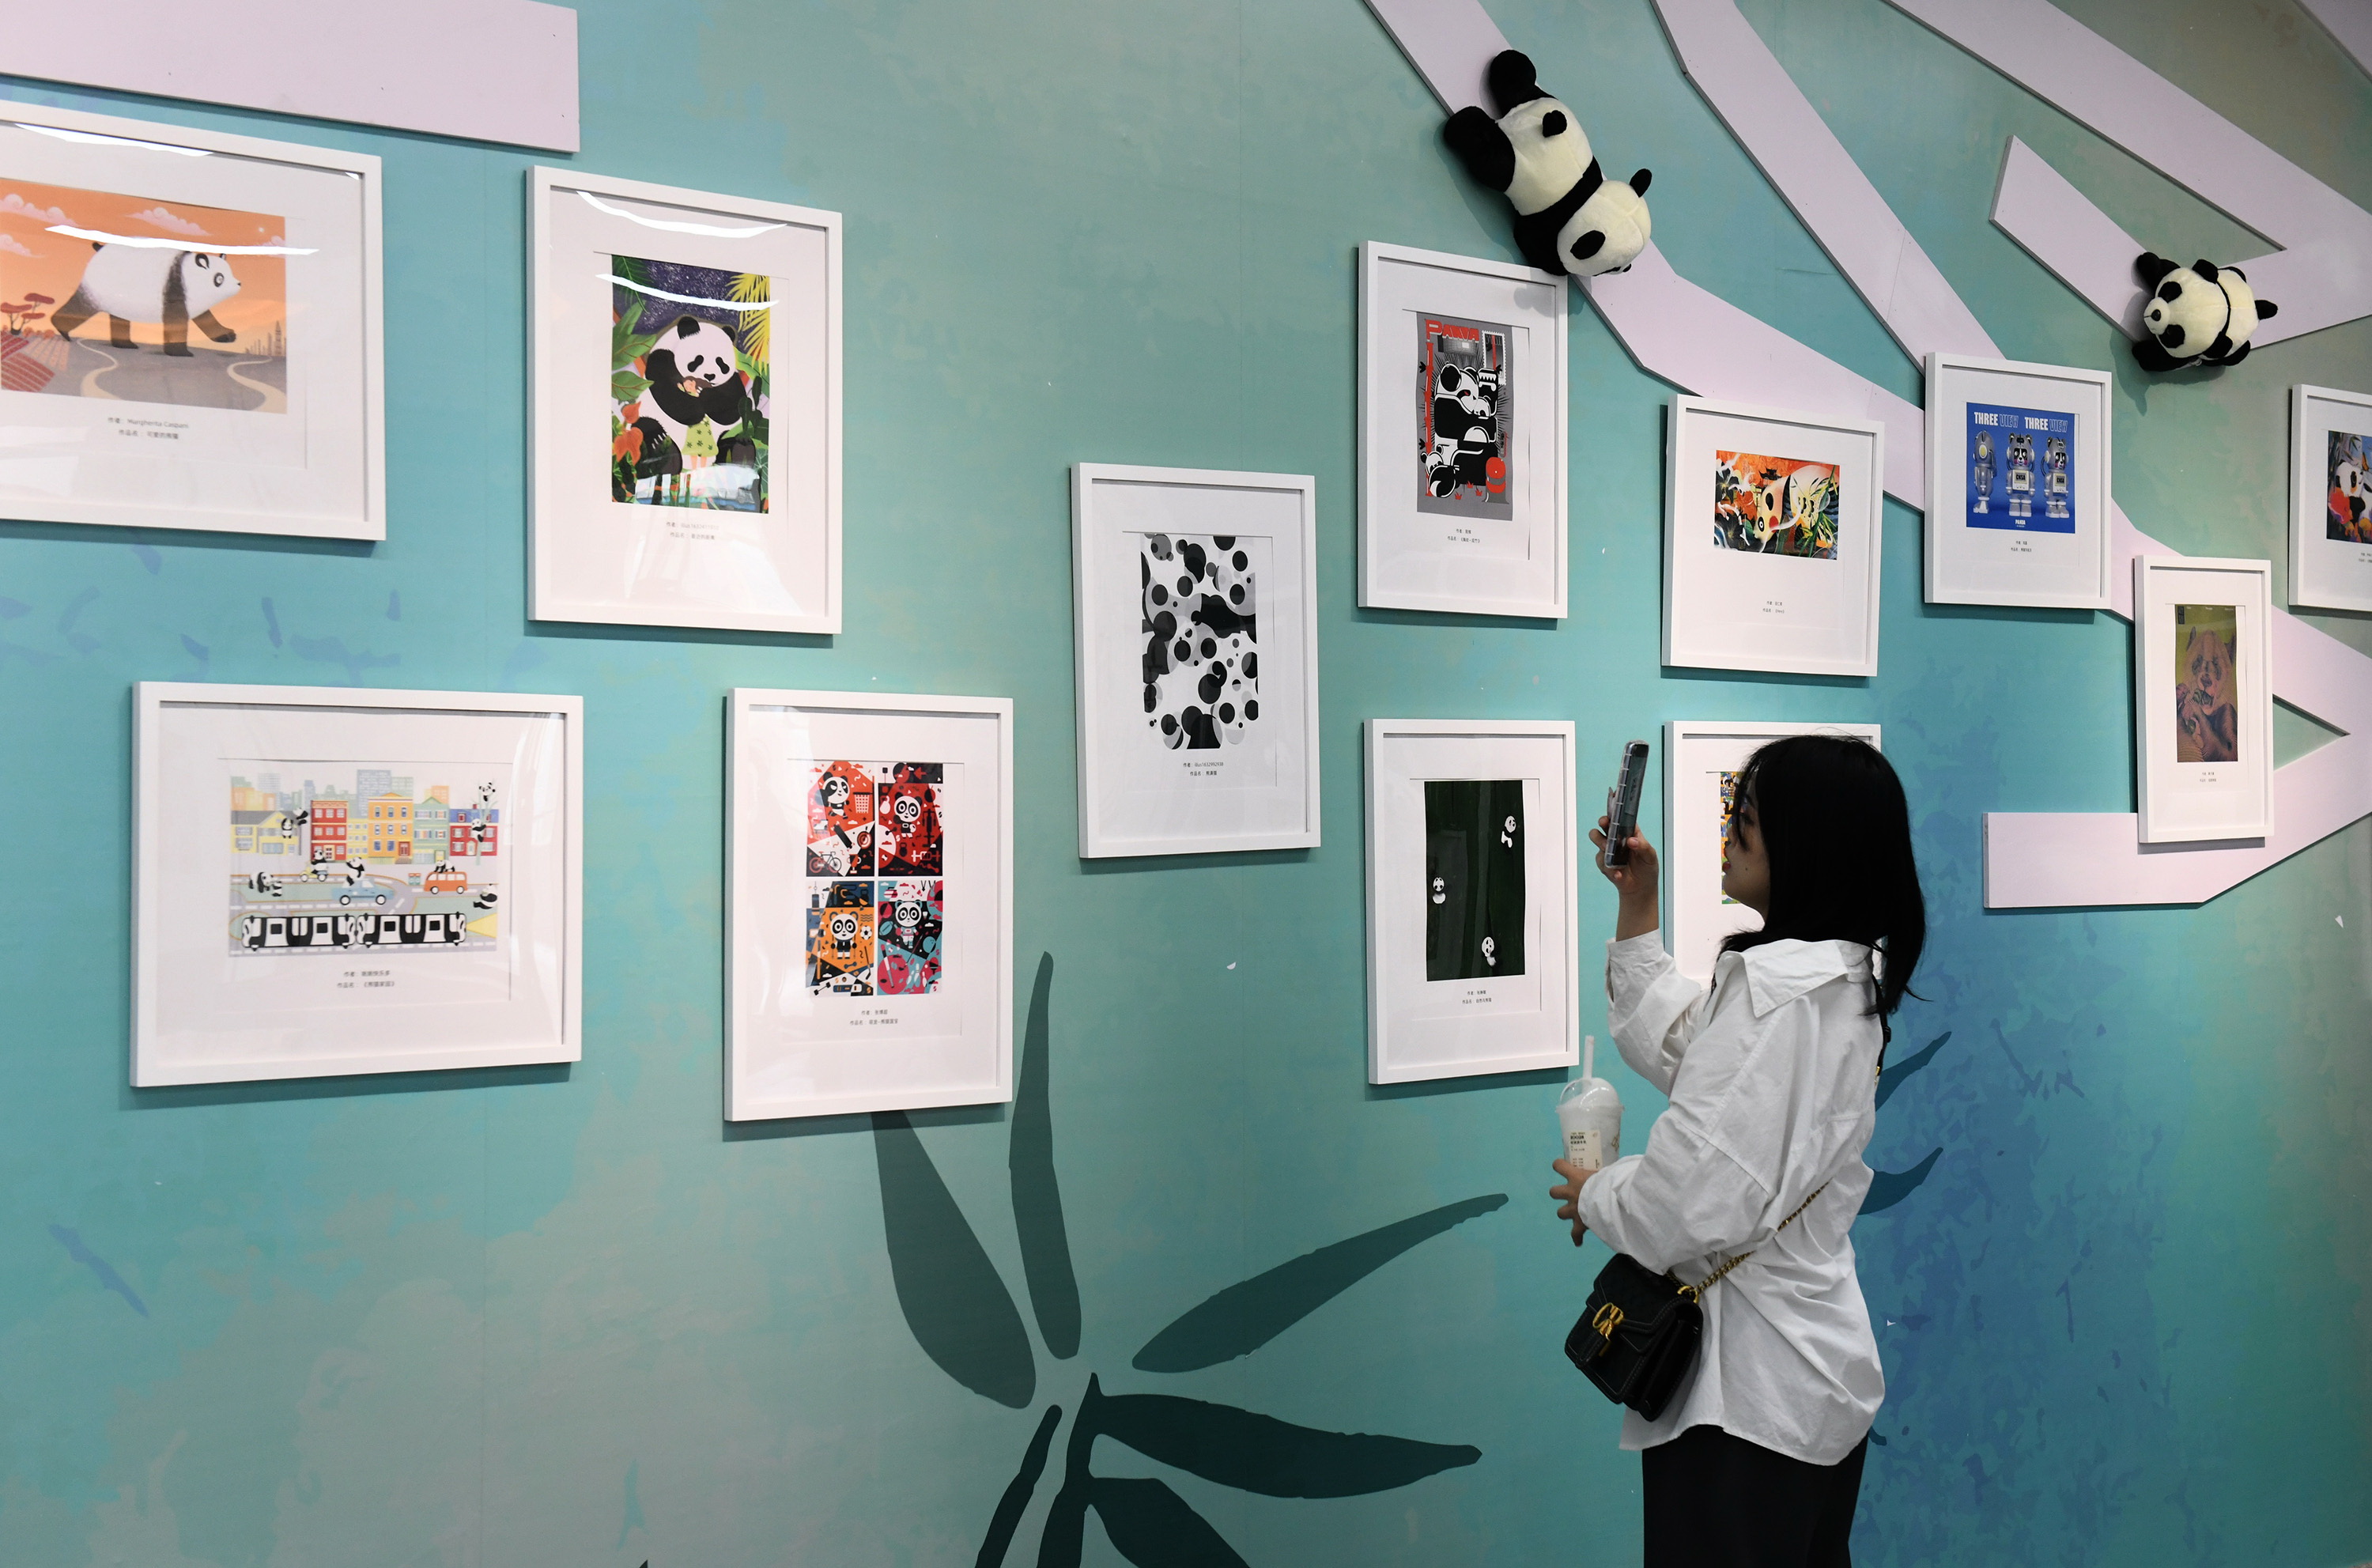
(1623, 804)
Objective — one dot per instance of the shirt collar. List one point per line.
(1778, 972)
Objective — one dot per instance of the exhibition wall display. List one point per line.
(2017, 483)
(1461, 434)
(1771, 540)
(807, 1085)
(192, 328)
(336, 880)
(685, 410)
(1196, 598)
(869, 897)
(1473, 876)
(2331, 498)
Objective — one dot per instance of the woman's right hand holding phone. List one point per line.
(1635, 883)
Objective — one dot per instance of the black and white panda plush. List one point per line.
(1569, 217)
(139, 283)
(2201, 314)
(693, 376)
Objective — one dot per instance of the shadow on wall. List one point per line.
(965, 1319)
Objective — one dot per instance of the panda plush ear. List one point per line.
(2152, 268)
(2266, 308)
(1512, 79)
(1639, 182)
(2204, 269)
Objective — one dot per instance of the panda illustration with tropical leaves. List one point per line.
(1569, 217)
(697, 392)
(2201, 314)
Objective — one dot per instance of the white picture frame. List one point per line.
(2202, 698)
(924, 1017)
(2043, 540)
(1697, 754)
(1468, 551)
(2330, 559)
(1774, 602)
(160, 424)
(738, 533)
(404, 871)
(1453, 806)
(1159, 774)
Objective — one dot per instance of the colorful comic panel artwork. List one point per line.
(2347, 495)
(2021, 465)
(908, 833)
(1474, 916)
(1198, 609)
(690, 371)
(135, 299)
(1465, 399)
(840, 938)
(1774, 506)
(391, 858)
(2206, 683)
(909, 930)
(1729, 810)
(840, 818)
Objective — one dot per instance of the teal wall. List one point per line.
(568, 1316)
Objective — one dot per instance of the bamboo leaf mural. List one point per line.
(1242, 1317)
(1018, 1491)
(1258, 1452)
(1037, 1197)
(1154, 1528)
(959, 1309)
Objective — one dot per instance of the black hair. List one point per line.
(1836, 830)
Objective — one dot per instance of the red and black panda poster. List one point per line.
(1465, 397)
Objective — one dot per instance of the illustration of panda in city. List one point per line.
(1465, 430)
(132, 283)
(696, 393)
(2021, 476)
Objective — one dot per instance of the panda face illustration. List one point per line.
(206, 281)
(1472, 393)
(835, 795)
(1491, 951)
(1440, 890)
(909, 916)
(700, 352)
(907, 810)
(843, 926)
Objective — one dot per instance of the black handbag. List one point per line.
(1638, 1337)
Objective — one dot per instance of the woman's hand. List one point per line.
(1569, 1196)
(1635, 883)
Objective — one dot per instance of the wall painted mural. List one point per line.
(1200, 1294)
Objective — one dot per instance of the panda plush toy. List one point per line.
(2201, 314)
(1569, 217)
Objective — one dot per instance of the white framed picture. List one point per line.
(2017, 483)
(331, 880)
(188, 328)
(1473, 863)
(684, 407)
(868, 896)
(2204, 697)
(2331, 498)
(1702, 759)
(1461, 434)
(1772, 532)
(1197, 597)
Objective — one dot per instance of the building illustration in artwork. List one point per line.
(332, 865)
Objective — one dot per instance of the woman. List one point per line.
(1771, 1080)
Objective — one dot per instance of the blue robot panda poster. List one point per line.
(2021, 469)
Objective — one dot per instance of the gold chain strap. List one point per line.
(1696, 1292)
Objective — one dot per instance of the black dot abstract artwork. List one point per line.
(1199, 600)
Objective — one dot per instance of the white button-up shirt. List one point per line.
(1771, 1080)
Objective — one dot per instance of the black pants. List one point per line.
(1716, 1500)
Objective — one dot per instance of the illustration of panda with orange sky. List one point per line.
(908, 834)
(839, 820)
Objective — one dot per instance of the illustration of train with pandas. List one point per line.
(260, 932)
